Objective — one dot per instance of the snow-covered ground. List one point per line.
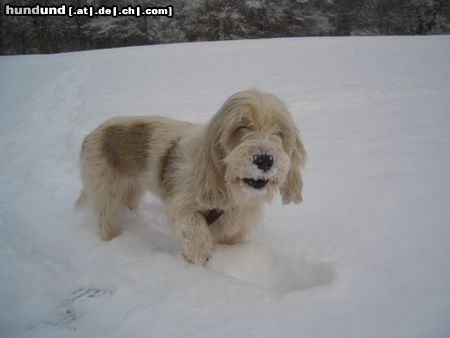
(365, 255)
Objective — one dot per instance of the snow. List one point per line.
(365, 255)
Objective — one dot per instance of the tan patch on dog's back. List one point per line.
(125, 147)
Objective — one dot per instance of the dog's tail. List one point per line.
(81, 199)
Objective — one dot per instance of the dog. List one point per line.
(212, 178)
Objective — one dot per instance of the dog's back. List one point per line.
(120, 159)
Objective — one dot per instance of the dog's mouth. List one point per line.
(256, 184)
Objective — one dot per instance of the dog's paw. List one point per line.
(197, 243)
(200, 261)
(197, 252)
(108, 232)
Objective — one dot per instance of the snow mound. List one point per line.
(270, 267)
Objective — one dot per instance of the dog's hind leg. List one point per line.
(106, 225)
(132, 192)
(106, 198)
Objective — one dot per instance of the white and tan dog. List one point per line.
(212, 178)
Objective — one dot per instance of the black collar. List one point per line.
(212, 215)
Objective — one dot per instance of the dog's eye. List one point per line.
(235, 137)
(241, 128)
(240, 131)
(279, 136)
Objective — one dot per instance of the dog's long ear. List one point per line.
(211, 185)
(291, 189)
(210, 173)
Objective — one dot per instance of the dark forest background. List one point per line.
(205, 20)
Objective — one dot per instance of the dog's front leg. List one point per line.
(196, 239)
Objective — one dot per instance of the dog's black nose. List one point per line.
(263, 161)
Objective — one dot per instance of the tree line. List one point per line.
(207, 20)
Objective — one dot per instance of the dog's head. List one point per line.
(252, 149)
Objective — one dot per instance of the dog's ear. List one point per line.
(211, 185)
(291, 189)
(210, 173)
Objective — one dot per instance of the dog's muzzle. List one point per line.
(261, 175)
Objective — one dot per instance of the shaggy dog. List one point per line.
(212, 178)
